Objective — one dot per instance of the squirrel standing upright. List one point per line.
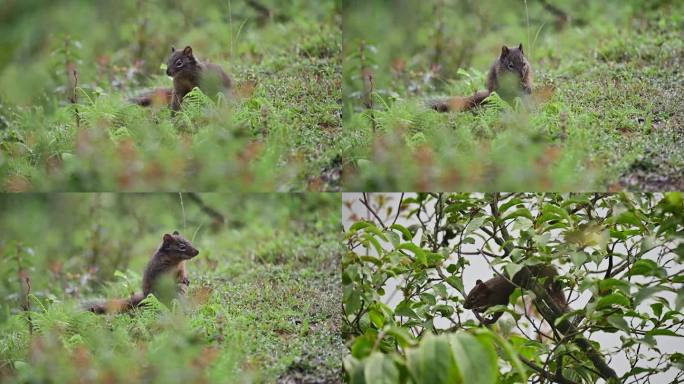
(509, 74)
(169, 260)
(497, 290)
(187, 73)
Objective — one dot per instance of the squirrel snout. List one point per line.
(168, 71)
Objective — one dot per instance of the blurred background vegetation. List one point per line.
(279, 130)
(605, 111)
(264, 300)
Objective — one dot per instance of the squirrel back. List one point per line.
(168, 261)
(496, 291)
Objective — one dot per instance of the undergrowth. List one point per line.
(264, 291)
(66, 123)
(605, 113)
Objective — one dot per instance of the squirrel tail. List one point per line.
(155, 97)
(459, 103)
(116, 305)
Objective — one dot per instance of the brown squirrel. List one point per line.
(509, 74)
(497, 290)
(187, 73)
(168, 260)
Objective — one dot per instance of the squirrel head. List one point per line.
(181, 61)
(477, 296)
(513, 60)
(177, 247)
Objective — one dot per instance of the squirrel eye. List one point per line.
(179, 63)
(181, 247)
(510, 65)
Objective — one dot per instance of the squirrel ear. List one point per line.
(173, 49)
(504, 51)
(478, 282)
(520, 48)
(176, 233)
(167, 238)
(187, 51)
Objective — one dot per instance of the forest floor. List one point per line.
(280, 129)
(606, 111)
(263, 304)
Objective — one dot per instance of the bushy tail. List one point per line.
(459, 103)
(155, 97)
(116, 305)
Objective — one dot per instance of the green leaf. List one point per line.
(417, 252)
(394, 238)
(512, 202)
(404, 309)
(441, 290)
(376, 231)
(474, 225)
(613, 299)
(362, 346)
(579, 258)
(376, 318)
(663, 332)
(370, 238)
(512, 268)
(510, 353)
(379, 368)
(444, 310)
(629, 218)
(646, 267)
(352, 301)
(358, 225)
(433, 362)
(456, 282)
(556, 211)
(354, 369)
(476, 358)
(520, 212)
(618, 322)
(402, 335)
(407, 236)
(609, 284)
(428, 298)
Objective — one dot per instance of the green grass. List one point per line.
(263, 302)
(280, 129)
(606, 114)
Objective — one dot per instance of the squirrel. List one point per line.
(497, 290)
(510, 74)
(168, 260)
(187, 73)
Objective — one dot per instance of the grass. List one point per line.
(279, 130)
(605, 114)
(263, 304)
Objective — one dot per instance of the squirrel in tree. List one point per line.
(168, 261)
(187, 73)
(510, 75)
(496, 291)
